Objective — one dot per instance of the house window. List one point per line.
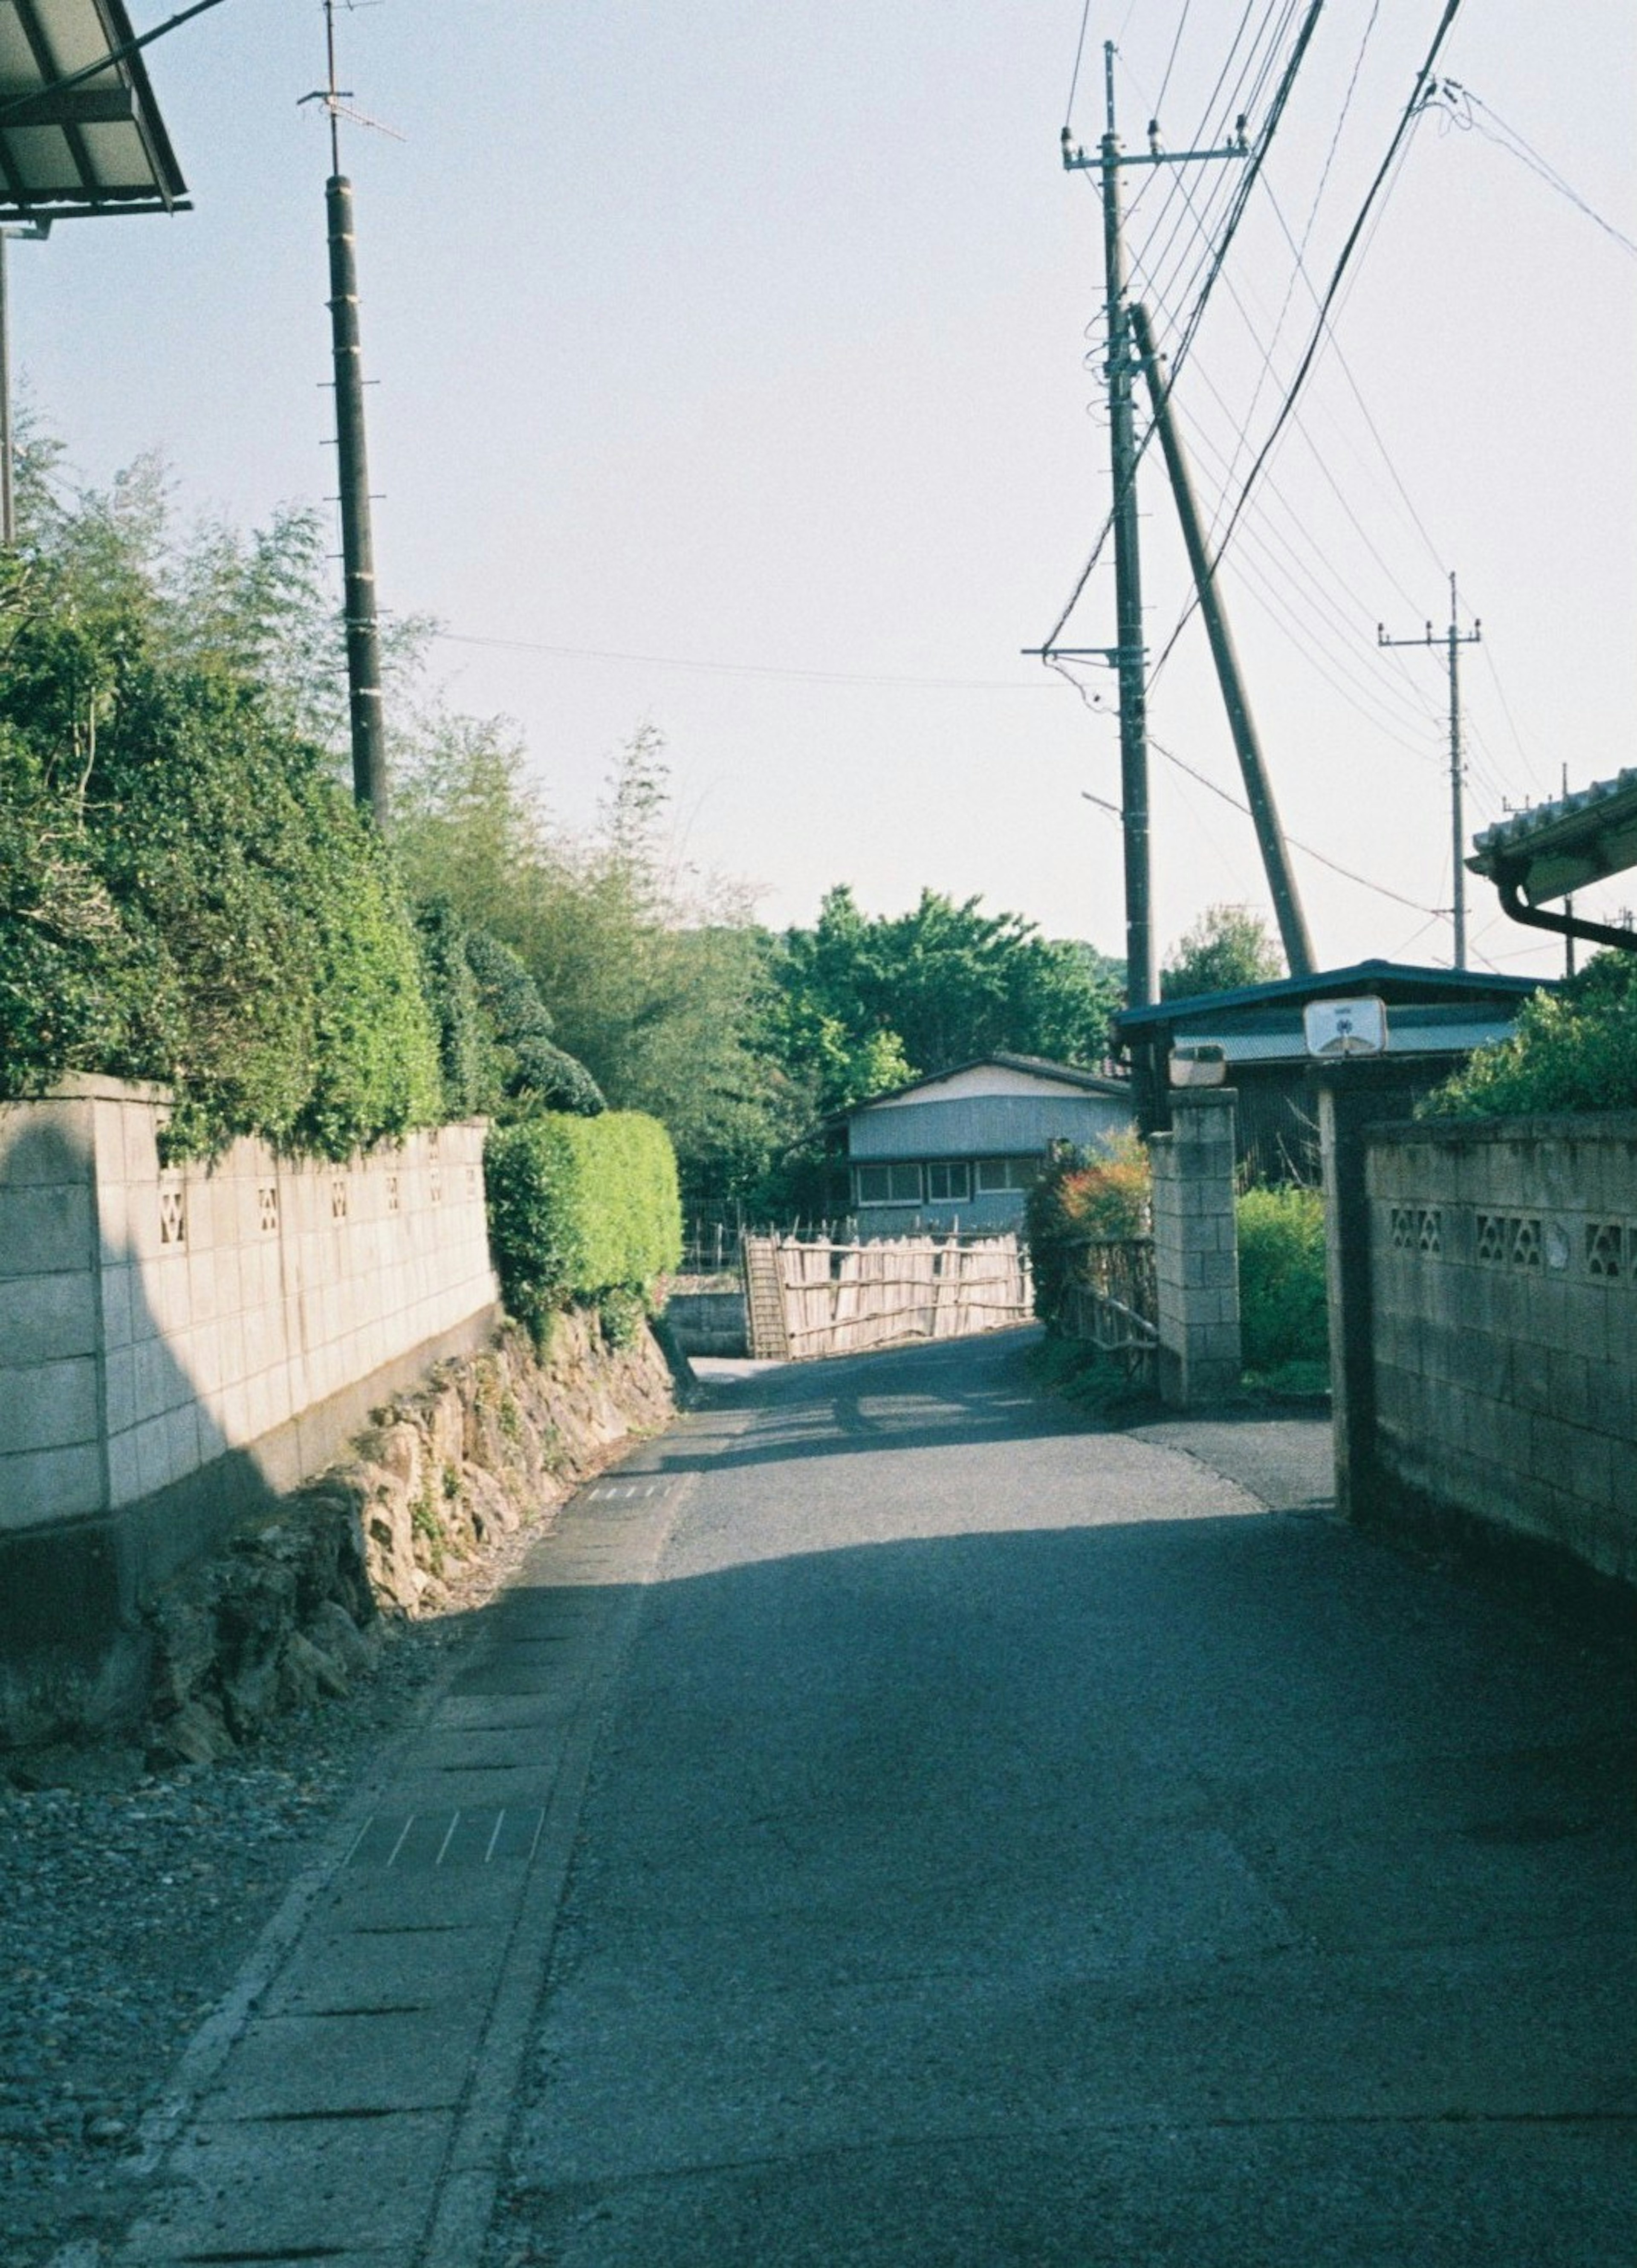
(997, 1173)
(887, 1185)
(948, 1180)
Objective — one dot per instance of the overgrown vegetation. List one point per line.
(661, 983)
(1083, 1194)
(1574, 1049)
(186, 892)
(1096, 1384)
(1283, 1317)
(581, 1208)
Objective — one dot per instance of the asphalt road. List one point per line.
(1008, 1844)
(887, 1824)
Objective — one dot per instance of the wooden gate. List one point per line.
(818, 1298)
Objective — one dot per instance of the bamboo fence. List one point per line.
(843, 1299)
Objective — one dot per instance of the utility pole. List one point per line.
(1128, 655)
(1568, 902)
(36, 232)
(1454, 638)
(8, 446)
(357, 545)
(1293, 926)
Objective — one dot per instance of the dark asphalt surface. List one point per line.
(1007, 1843)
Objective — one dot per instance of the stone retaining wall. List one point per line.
(489, 1443)
(708, 1323)
(179, 1346)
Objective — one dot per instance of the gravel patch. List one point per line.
(129, 1902)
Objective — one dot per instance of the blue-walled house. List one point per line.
(959, 1149)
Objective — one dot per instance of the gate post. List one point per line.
(1354, 1097)
(1195, 1249)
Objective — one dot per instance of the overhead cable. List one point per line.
(741, 669)
(1412, 109)
(1257, 157)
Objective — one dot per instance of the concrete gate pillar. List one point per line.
(1195, 1249)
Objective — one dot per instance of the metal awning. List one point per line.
(98, 146)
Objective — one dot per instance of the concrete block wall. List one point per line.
(1503, 1267)
(165, 1326)
(1195, 1249)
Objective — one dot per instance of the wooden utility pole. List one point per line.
(1292, 927)
(1453, 639)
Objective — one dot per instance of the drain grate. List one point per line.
(623, 1492)
(414, 1842)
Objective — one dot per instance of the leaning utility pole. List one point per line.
(1292, 927)
(357, 546)
(1129, 655)
(1454, 638)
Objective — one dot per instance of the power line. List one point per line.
(1307, 848)
(1079, 49)
(741, 668)
(1259, 155)
(1509, 139)
(1412, 109)
(1437, 913)
(1318, 198)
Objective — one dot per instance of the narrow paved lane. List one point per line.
(1011, 1844)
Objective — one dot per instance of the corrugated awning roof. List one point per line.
(1395, 982)
(98, 146)
(1406, 1035)
(1554, 848)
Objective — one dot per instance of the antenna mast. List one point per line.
(357, 544)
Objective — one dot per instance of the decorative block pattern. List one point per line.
(152, 1319)
(1504, 1345)
(173, 1214)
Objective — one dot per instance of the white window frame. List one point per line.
(893, 1168)
(953, 1170)
(1016, 1175)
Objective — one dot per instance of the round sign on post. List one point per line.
(1336, 1028)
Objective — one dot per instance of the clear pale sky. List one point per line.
(752, 336)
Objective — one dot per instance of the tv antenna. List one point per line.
(337, 101)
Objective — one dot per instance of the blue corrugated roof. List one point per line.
(1385, 978)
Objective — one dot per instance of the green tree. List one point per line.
(937, 986)
(1228, 947)
(655, 984)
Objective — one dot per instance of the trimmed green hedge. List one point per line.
(1282, 1313)
(580, 1207)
